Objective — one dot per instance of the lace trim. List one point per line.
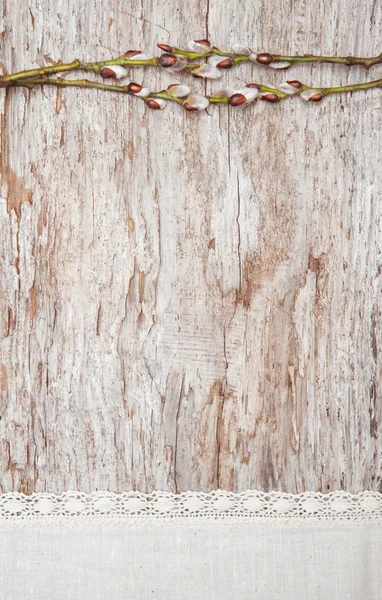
(253, 505)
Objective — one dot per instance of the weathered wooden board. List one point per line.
(190, 301)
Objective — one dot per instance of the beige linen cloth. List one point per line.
(192, 546)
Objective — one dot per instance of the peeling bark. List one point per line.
(190, 301)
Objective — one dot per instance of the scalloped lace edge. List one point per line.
(218, 505)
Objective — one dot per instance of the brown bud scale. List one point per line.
(167, 60)
(107, 73)
(265, 58)
(165, 48)
(237, 99)
(253, 85)
(153, 104)
(188, 106)
(203, 42)
(132, 53)
(227, 63)
(296, 84)
(134, 88)
(270, 97)
(316, 97)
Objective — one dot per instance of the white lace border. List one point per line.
(219, 504)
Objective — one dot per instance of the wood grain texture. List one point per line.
(190, 301)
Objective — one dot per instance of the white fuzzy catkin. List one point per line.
(144, 92)
(208, 71)
(199, 102)
(286, 88)
(248, 93)
(216, 59)
(179, 91)
(309, 93)
(119, 71)
(239, 49)
(280, 65)
(195, 46)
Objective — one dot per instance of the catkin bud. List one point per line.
(199, 46)
(140, 56)
(165, 48)
(237, 99)
(172, 63)
(178, 90)
(239, 49)
(296, 84)
(195, 102)
(134, 88)
(316, 97)
(243, 95)
(144, 93)
(227, 63)
(225, 93)
(206, 71)
(311, 95)
(113, 72)
(288, 88)
(222, 62)
(157, 104)
(132, 53)
(264, 58)
(269, 97)
(167, 60)
(189, 106)
(280, 65)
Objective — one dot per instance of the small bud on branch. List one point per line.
(265, 58)
(114, 72)
(269, 97)
(195, 102)
(157, 104)
(134, 88)
(165, 48)
(311, 95)
(280, 65)
(178, 90)
(199, 46)
(132, 53)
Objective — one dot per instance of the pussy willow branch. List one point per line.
(269, 59)
(135, 58)
(192, 102)
(77, 65)
(132, 89)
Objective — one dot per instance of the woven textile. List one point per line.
(195, 546)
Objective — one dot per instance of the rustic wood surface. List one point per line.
(190, 301)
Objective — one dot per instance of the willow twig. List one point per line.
(308, 93)
(181, 94)
(178, 93)
(133, 58)
(203, 49)
(177, 59)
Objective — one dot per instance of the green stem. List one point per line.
(85, 83)
(81, 83)
(349, 61)
(77, 65)
(351, 88)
